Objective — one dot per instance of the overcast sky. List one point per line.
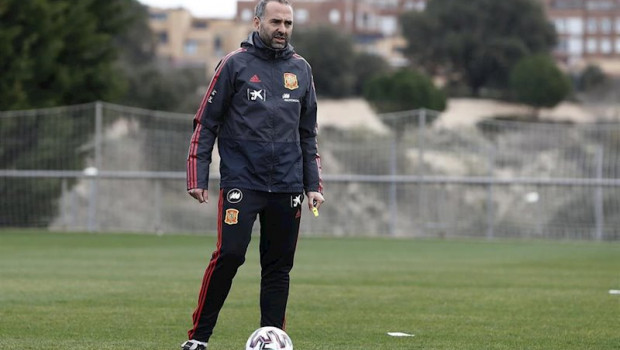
(199, 8)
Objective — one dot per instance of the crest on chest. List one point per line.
(290, 81)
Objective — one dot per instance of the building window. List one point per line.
(190, 47)
(364, 22)
(618, 45)
(200, 24)
(618, 25)
(158, 16)
(575, 46)
(574, 26)
(218, 46)
(301, 15)
(389, 25)
(606, 46)
(387, 4)
(217, 43)
(415, 5)
(562, 45)
(606, 25)
(560, 25)
(162, 37)
(591, 45)
(247, 15)
(334, 16)
(566, 4)
(600, 5)
(592, 25)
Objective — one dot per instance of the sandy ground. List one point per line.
(468, 111)
(356, 113)
(348, 114)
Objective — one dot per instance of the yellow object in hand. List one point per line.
(315, 211)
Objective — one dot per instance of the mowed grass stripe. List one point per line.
(128, 291)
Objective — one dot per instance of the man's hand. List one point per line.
(201, 195)
(315, 199)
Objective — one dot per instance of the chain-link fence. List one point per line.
(104, 167)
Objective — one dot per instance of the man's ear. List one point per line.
(256, 22)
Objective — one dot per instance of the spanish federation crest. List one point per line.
(290, 81)
(232, 216)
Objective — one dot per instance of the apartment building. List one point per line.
(588, 32)
(185, 40)
(374, 24)
(357, 17)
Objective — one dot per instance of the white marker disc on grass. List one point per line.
(400, 334)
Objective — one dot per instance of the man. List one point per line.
(261, 107)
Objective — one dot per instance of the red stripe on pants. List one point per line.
(209, 271)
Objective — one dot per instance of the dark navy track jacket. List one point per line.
(261, 107)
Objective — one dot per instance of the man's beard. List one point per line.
(270, 40)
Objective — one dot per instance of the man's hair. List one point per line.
(259, 11)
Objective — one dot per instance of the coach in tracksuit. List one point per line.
(261, 108)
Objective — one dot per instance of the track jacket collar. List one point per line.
(255, 46)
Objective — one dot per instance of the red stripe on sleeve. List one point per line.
(191, 167)
(318, 164)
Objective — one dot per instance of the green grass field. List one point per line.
(127, 291)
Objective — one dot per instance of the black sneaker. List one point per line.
(193, 345)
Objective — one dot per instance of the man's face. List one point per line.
(276, 26)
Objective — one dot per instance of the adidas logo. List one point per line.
(255, 79)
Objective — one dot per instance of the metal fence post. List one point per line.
(94, 184)
(421, 168)
(392, 191)
(64, 206)
(490, 207)
(421, 131)
(598, 196)
(158, 206)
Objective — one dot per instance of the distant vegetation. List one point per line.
(403, 90)
(476, 43)
(339, 70)
(536, 81)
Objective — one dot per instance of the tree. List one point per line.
(153, 83)
(366, 66)
(591, 78)
(538, 82)
(342, 70)
(136, 44)
(333, 52)
(58, 52)
(477, 41)
(53, 53)
(404, 90)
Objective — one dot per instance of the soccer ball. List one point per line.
(269, 338)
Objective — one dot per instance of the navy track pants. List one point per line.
(279, 215)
